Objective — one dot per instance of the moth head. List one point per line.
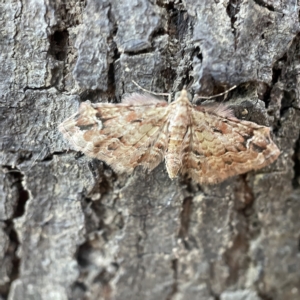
(183, 94)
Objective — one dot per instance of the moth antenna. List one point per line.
(156, 94)
(36, 158)
(187, 87)
(214, 96)
(32, 164)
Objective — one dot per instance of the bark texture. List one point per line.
(70, 228)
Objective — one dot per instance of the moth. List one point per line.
(206, 144)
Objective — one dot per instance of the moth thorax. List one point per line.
(173, 165)
(183, 94)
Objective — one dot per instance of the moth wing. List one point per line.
(123, 135)
(219, 146)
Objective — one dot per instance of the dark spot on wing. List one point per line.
(198, 154)
(246, 138)
(85, 127)
(217, 130)
(257, 148)
(112, 147)
(102, 119)
(98, 145)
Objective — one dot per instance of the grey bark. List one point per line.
(70, 228)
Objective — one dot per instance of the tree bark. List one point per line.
(71, 228)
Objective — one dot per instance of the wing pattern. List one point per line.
(207, 144)
(221, 147)
(123, 135)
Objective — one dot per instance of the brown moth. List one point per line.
(207, 144)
